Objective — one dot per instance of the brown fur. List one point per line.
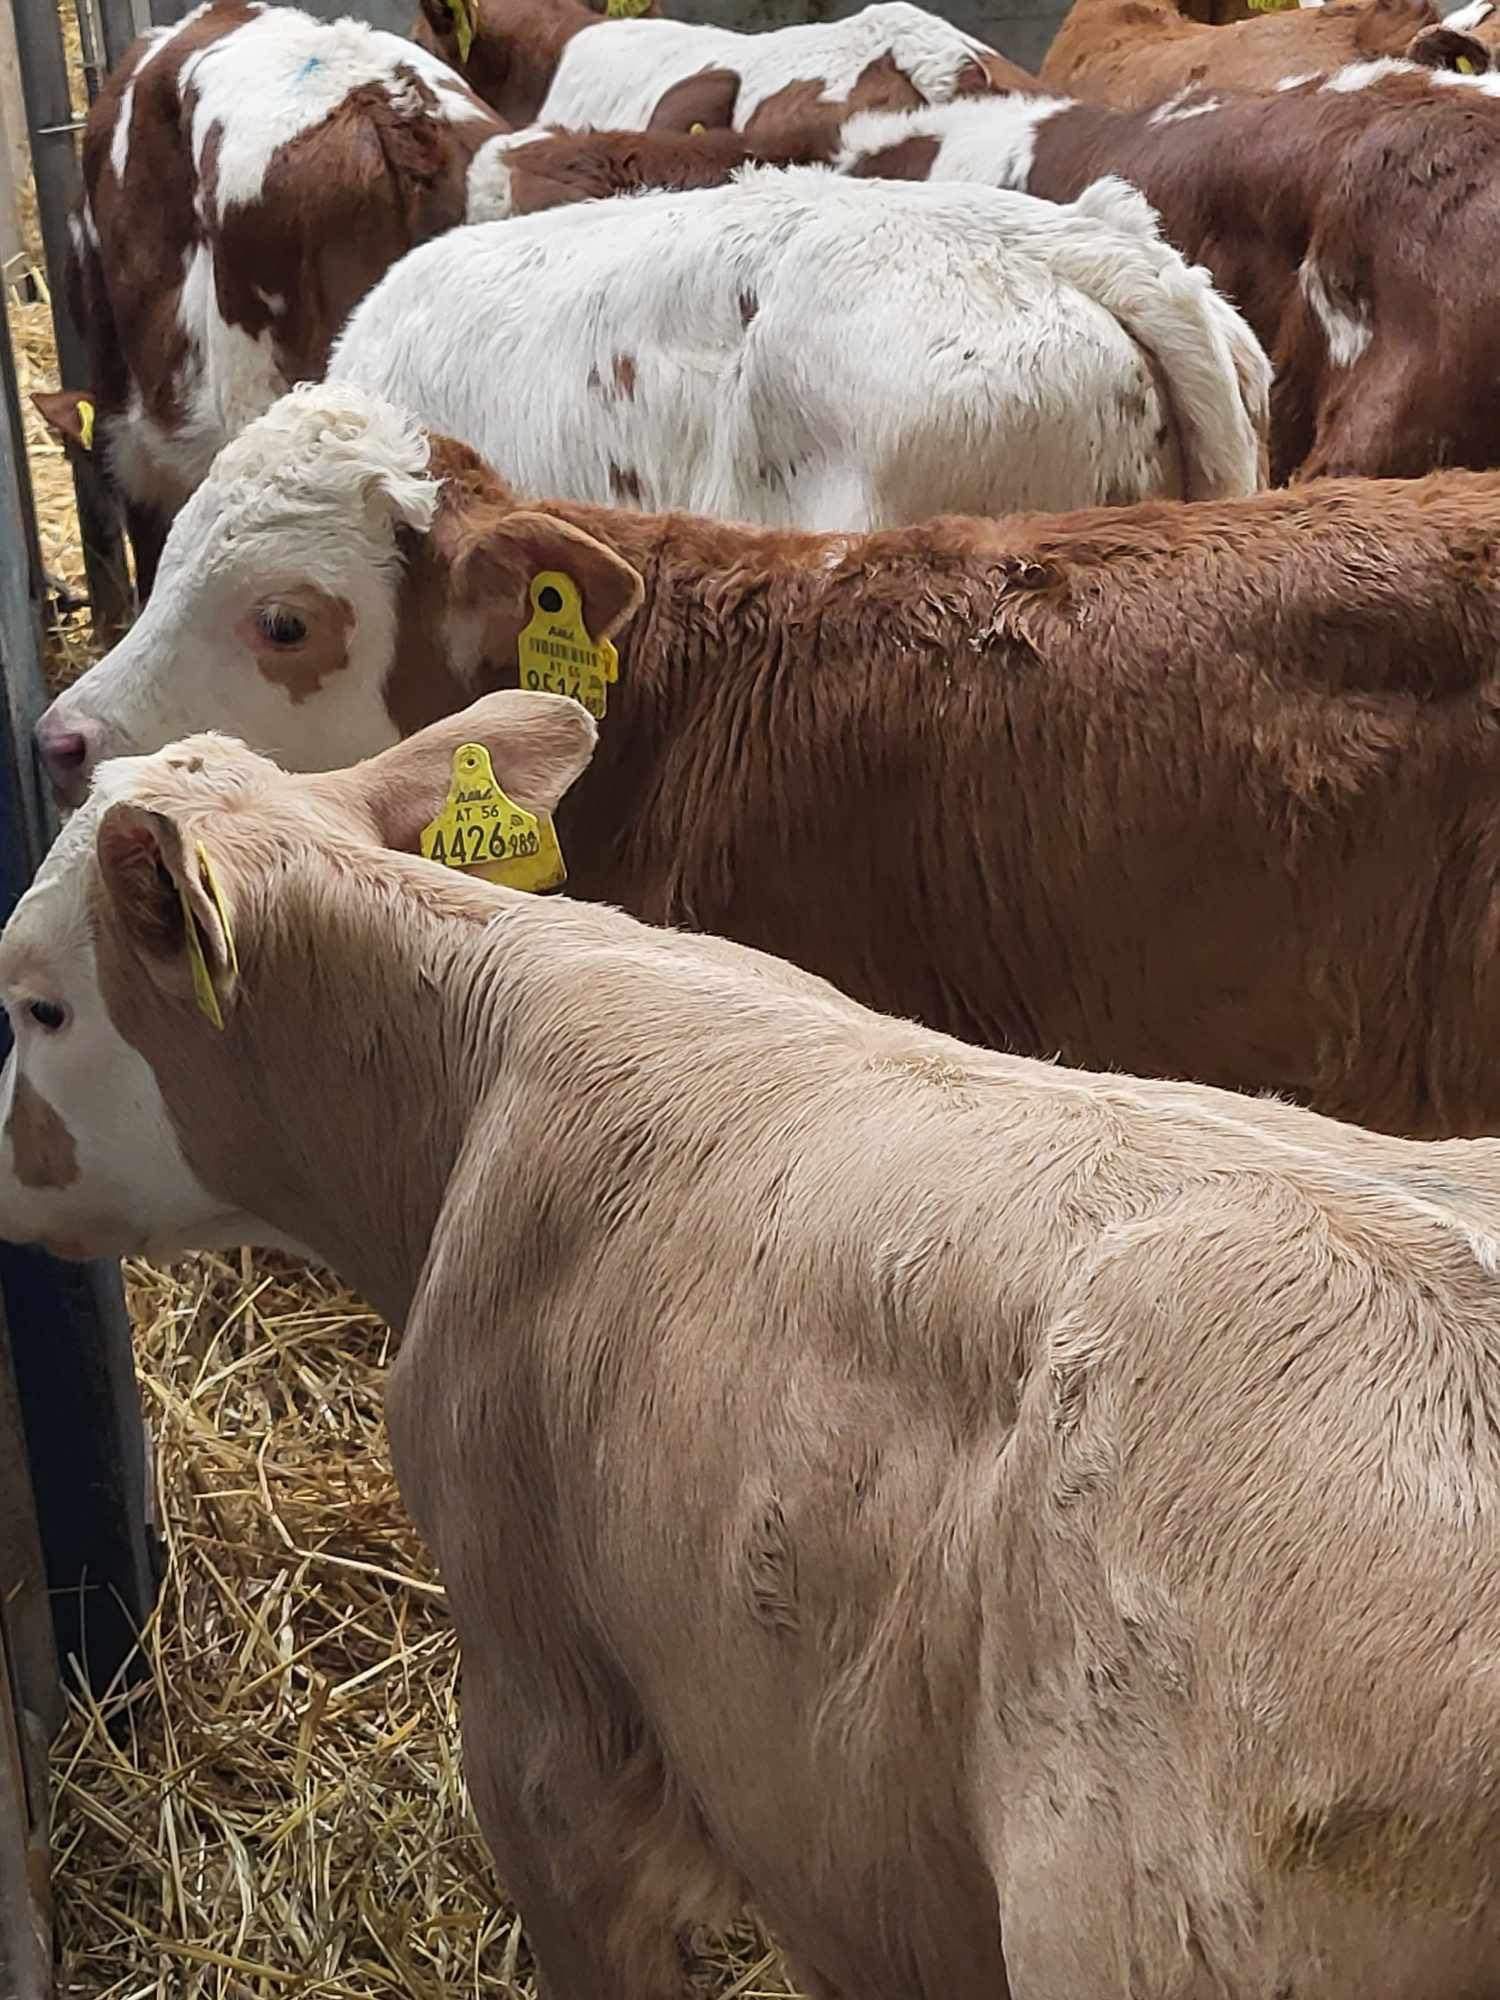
(341, 202)
(591, 166)
(1389, 190)
(42, 1148)
(1185, 790)
(1136, 52)
(303, 668)
(1033, 1532)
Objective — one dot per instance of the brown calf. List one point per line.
(1132, 52)
(1199, 790)
(1353, 220)
(247, 178)
(1030, 1533)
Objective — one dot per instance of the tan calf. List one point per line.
(1196, 790)
(1031, 1533)
(1137, 52)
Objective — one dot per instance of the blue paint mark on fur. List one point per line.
(312, 63)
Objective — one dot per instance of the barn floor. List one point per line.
(276, 1810)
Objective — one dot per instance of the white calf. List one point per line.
(802, 350)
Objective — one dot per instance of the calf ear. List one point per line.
(68, 414)
(538, 744)
(526, 543)
(704, 101)
(172, 906)
(491, 558)
(1443, 47)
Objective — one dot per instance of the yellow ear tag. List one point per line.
(625, 10)
(203, 985)
(1466, 66)
(699, 127)
(86, 416)
(1271, 6)
(486, 834)
(464, 24)
(556, 654)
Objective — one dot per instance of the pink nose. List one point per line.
(67, 757)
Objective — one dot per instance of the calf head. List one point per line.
(508, 50)
(339, 580)
(1443, 47)
(196, 896)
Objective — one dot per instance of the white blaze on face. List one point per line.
(89, 1162)
(274, 613)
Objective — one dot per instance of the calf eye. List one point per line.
(47, 1014)
(282, 628)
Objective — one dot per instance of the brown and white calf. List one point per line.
(555, 62)
(248, 175)
(1029, 1533)
(1354, 221)
(1134, 52)
(1187, 790)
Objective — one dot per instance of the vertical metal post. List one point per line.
(121, 21)
(49, 114)
(70, 1338)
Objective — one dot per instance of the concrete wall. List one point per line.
(1020, 29)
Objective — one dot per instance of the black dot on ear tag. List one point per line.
(550, 598)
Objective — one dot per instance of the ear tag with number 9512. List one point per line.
(486, 834)
(556, 654)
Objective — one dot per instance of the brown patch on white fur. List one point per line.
(43, 1150)
(301, 669)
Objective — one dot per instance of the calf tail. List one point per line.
(1211, 369)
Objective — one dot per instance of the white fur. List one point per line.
(1348, 333)
(1363, 75)
(991, 140)
(309, 495)
(119, 141)
(616, 73)
(129, 1163)
(487, 196)
(1178, 107)
(1296, 82)
(1466, 19)
(915, 348)
(284, 72)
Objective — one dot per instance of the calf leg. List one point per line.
(601, 1865)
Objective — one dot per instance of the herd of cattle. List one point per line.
(1032, 563)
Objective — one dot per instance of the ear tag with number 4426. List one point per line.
(556, 654)
(486, 834)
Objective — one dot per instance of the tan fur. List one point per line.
(1137, 52)
(1020, 1526)
(1200, 790)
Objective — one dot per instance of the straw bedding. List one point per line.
(276, 1810)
